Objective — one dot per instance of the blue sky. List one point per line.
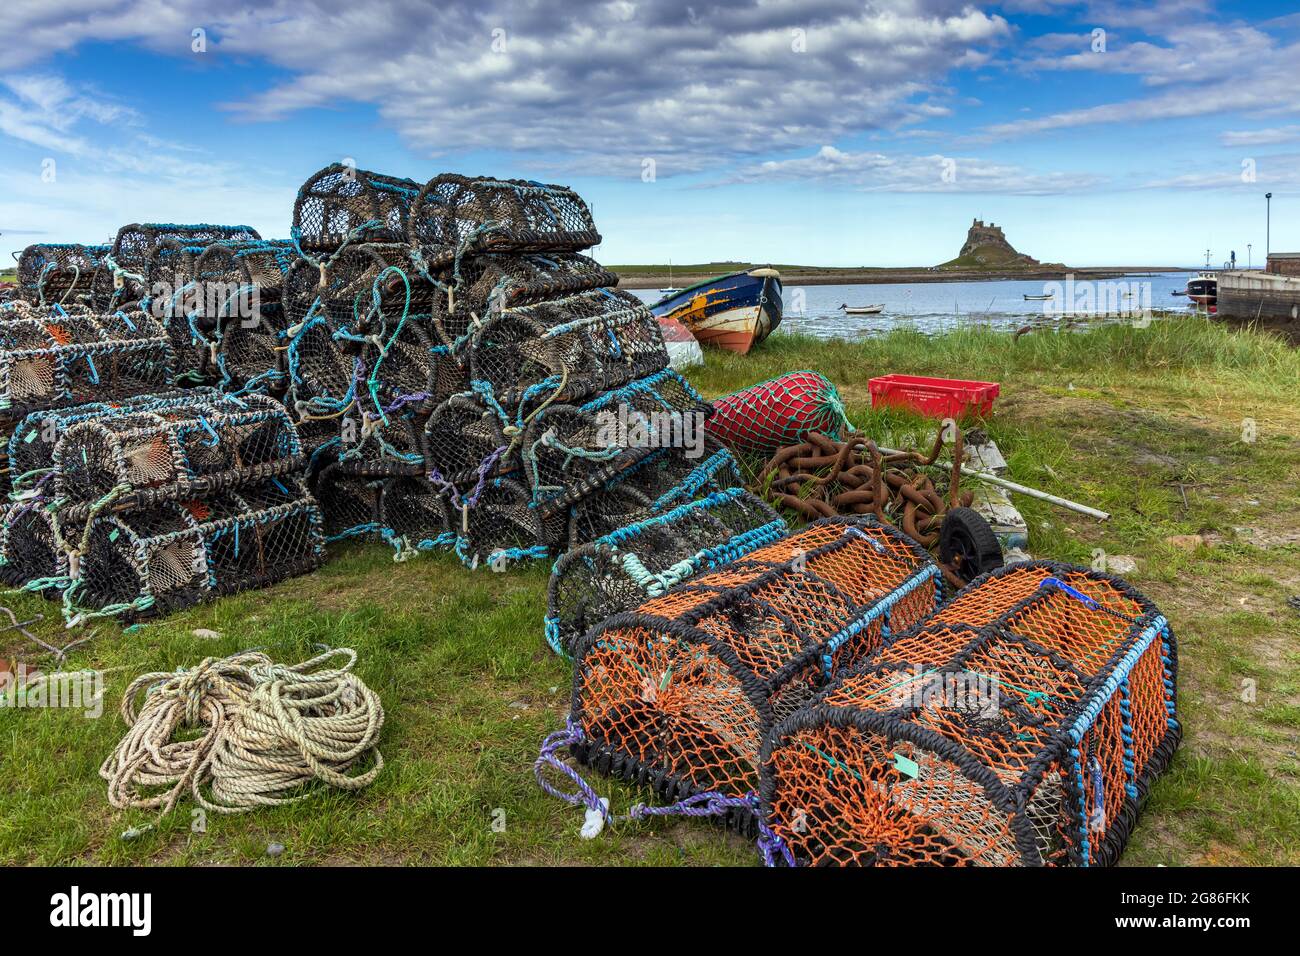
(809, 131)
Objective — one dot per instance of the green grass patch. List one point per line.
(1145, 423)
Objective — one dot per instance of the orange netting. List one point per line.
(683, 691)
(1020, 725)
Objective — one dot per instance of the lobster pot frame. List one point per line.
(31, 447)
(177, 554)
(50, 273)
(1022, 725)
(620, 570)
(568, 452)
(412, 510)
(567, 349)
(323, 377)
(251, 353)
(489, 283)
(411, 370)
(29, 547)
(345, 285)
(662, 480)
(456, 214)
(682, 692)
(138, 459)
(498, 523)
(464, 440)
(56, 357)
(241, 322)
(349, 503)
(342, 203)
(119, 279)
(381, 446)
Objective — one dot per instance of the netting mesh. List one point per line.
(136, 458)
(58, 273)
(349, 503)
(498, 524)
(30, 450)
(566, 349)
(1021, 725)
(781, 411)
(342, 203)
(644, 559)
(456, 214)
(683, 691)
(122, 275)
(29, 549)
(56, 356)
(160, 559)
(413, 511)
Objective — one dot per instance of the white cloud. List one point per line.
(688, 83)
(1199, 66)
(935, 173)
(1260, 137)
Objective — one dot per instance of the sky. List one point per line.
(819, 132)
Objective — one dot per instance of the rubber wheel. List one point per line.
(968, 545)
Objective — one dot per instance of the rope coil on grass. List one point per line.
(265, 731)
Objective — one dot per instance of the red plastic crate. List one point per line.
(936, 397)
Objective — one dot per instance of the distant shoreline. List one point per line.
(810, 276)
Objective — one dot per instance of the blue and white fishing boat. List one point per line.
(733, 312)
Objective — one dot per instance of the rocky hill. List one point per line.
(986, 247)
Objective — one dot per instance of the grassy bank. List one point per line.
(1144, 423)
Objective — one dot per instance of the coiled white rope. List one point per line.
(266, 731)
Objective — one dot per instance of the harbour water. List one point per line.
(934, 307)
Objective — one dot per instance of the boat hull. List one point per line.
(733, 312)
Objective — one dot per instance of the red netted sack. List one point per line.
(779, 412)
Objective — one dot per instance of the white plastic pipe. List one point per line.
(1020, 489)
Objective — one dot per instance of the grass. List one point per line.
(1130, 420)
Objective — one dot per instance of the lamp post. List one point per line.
(1248, 266)
(1268, 223)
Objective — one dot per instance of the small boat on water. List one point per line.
(863, 309)
(1039, 298)
(671, 288)
(1203, 291)
(733, 312)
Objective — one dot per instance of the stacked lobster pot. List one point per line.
(153, 503)
(363, 366)
(56, 356)
(122, 278)
(58, 273)
(129, 495)
(453, 335)
(220, 302)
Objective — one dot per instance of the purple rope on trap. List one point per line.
(714, 804)
(485, 466)
(406, 400)
(447, 488)
(548, 757)
(35, 500)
